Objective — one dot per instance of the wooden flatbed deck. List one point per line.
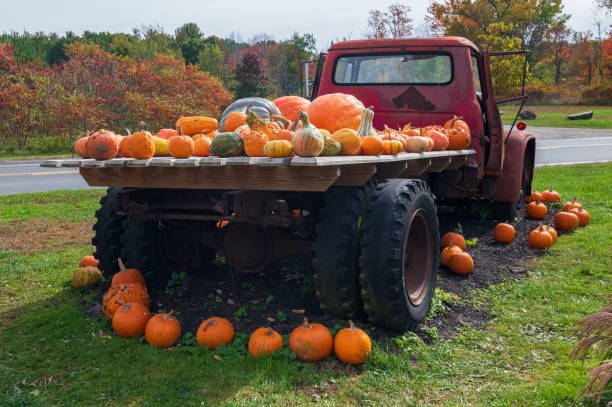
(259, 173)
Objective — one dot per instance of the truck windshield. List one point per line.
(380, 69)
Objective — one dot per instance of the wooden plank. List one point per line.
(139, 163)
(439, 164)
(52, 163)
(416, 168)
(269, 161)
(212, 161)
(339, 160)
(353, 175)
(242, 160)
(161, 162)
(93, 164)
(117, 162)
(391, 170)
(267, 178)
(186, 162)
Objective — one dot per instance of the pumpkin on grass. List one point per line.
(504, 233)
(536, 210)
(447, 252)
(307, 141)
(552, 231)
(571, 205)
(566, 221)
(89, 261)
(142, 145)
(86, 277)
(539, 238)
(102, 145)
(180, 146)
(127, 276)
(264, 341)
(461, 263)
(583, 216)
(335, 111)
(453, 238)
(535, 195)
(163, 330)
(550, 195)
(125, 293)
(131, 319)
(311, 342)
(352, 345)
(215, 332)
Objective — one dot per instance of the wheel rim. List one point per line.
(418, 258)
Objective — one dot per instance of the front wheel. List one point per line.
(399, 256)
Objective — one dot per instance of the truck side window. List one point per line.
(476, 76)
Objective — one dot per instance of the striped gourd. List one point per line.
(307, 141)
(86, 276)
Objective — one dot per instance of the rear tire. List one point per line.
(336, 249)
(399, 254)
(108, 230)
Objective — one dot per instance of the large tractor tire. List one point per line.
(108, 231)
(159, 249)
(336, 250)
(399, 254)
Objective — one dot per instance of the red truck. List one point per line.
(369, 223)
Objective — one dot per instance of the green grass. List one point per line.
(521, 358)
(23, 155)
(555, 116)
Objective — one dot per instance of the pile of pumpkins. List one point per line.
(453, 256)
(127, 302)
(333, 124)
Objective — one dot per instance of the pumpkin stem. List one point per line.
(306, 324)
(278, 118)
(169, 316)
(269, 332)
(352, 326)
(180, 130)
(541, 227)
(304, 118)
(210, 323)
(141, 125)
(294, 125)
(121, 265)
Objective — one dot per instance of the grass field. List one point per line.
(52, 354)
(555, 116)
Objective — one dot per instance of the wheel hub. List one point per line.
(418, 258)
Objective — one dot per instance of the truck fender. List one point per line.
(519, 155)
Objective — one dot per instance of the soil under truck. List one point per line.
(369, 223)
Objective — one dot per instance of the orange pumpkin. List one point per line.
(264, 341)
(392, 147)
(439, 138)
(307, 141)
(447, 252)
(102, 145)
(180, 146)
(290, 106)
(457, 123)
(571, 205)
(536, 210)
(215, 332)
(539, 238)
(196, 124)
(235, 119)
(452, 238)
(458, 139)
(89, 261)
(550, 195)
(461, 263)
(124, 146)
(80, 147)
(352, 345)
(131, 319)
(335, 111)
(349, 140)
(583, 216)
(284, 135)
(410, 131)
(167, 133)
(127, 276)
(124, 294)
(372, 145)
(552, 231)
(311, 342)
(142, 145)
(504, 233)
(254, 143)
(163, 330)
(201, 147)
(535, 195)
(566, 221)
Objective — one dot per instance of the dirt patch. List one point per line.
(39, 235)
(283, 295)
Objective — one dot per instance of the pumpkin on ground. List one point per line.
(196, 124)
(566, 221)
(201, 147)
(552, 231)
(504, 233)
(131, 319)
(447, 252)
(452, 238)
(335, 111)
(180, 146)
(228, 144)
(142, 145)
(264, 341)
(539, 238)
(352, 345)
(372, 145)
(583, 216)
(127, 276)
(311, 342)
(215, 332)
(102, 145)
(536, 210)
(571, 205)
(461, 263)
(290, 106)
(550, 195)
(166, 134)
(278, 148)
(89, 261)
(124, 294)
(80, 147)
(307, 141)
(349, 140)
(534, 196)
(86, 277)
(163, 330)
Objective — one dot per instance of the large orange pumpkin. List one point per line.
(335, 111)
(142, 145)
(352, 345)
(214, 332)
(163, 330)
(311, 342)
(102, 145)
(290, 106)
(124, 294)
(458, 139)
(80, 147)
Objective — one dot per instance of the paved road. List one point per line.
(554, 147)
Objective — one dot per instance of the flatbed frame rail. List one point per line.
(259, 173)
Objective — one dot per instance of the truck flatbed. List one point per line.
(259, 173)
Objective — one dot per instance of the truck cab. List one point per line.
(423, 81)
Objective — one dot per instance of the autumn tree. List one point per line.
(391, 23)
(557, 38)
(251, 79)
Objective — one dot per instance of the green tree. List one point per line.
(186, 32)
(210, 59)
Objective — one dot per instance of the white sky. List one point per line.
(327, 20)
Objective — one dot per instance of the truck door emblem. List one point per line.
(411, 98)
